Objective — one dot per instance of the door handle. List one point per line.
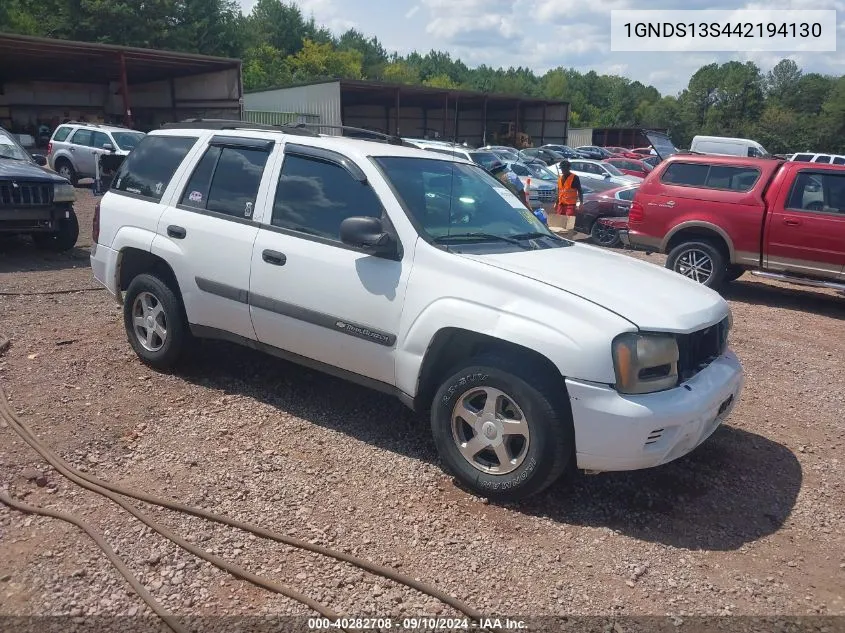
(792, 222)
(274, 257)
(176, 232)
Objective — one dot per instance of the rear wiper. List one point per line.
(481, 236)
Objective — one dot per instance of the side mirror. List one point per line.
(40, 159)
(368, 233)
(108, 147)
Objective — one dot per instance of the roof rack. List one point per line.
(234, 124)
(392, 139)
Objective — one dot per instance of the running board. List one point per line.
(801, 281)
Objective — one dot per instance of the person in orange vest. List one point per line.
(569, 194)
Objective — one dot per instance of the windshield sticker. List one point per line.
(195, 196)
(158, 188)
(248, 210)
(508, 197)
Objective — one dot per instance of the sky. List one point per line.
(545, 34)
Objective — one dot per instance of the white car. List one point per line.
(422, 277)
(598, 170)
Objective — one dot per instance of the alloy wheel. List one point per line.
(149, 321)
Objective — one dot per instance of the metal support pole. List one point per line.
(445, 113)
(484, 123)
(124, 91)
(455, 131)
(543, 126)
(398, 92)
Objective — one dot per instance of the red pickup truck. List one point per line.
(719, 216)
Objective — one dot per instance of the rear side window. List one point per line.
(98, 139)
(315, 196)
(226, 180)
(691, 175)
(626, 194)
(61, 134)
(711, 176)
(839, 160)
(148, 169)
(81, 137)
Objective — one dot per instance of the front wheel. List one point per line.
(155, 322)
(63, 238)
(700, 261)
(502, 428)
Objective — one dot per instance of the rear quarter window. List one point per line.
(61, 133)
(723, 177)
(148, 169)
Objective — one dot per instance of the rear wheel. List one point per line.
(154, 320)
(63, 238)
(701, 261)
(603, 235)
(503, 427)
(66, 170)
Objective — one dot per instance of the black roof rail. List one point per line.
(235, 124)
(381, 137)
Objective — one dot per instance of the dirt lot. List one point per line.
(751, 523)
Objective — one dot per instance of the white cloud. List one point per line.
(412, 11)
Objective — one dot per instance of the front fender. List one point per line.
(574, 347)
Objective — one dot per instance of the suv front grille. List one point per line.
(546, 194)
(699, 349)
(25, 194)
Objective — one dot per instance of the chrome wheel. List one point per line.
(149, 322)
(695, 264)
(490, 430)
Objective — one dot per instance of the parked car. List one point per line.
(600, 170)
(652, 161)
(479, 157)
(421, 276)
(564, 150)
(611, 203)
(717, 217)
(644, 151)
(505, 154)
(34, 201)
(622, 152)
(726, 146)
(74, 148)
(594, 152)
(630, 166)
(543, 183)
(548, 156)
(809, 157)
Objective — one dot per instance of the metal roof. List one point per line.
(27, 58)
(378, 89)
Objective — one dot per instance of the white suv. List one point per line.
(75, 147)
(422, 277)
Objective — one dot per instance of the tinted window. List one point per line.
(61, 133)
(733, 178)
(98, 139)
(196, 191)
(693, 175)
(626, 194)
(520, 170)
(818, 192)
(803, 158)
(839, 160)
(822, 159)
(81, 137)
(753, 151)
(150, 166)
(127, 140)
(314, 196)
(234, 185)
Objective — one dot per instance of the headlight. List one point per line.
(63, 193)
(645, 362)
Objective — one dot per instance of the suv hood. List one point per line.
(18, 169)
(651, 297)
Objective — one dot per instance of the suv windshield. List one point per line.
(456, 199)
(127, 140)
(9, 148)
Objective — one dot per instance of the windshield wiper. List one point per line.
(537, 234)
(481, 236)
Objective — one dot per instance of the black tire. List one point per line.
(732, 273)
(550, 447)
(605, 236)
(177, 333)
(709, 258)
(65, 168)
(63, 239)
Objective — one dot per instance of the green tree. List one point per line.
(265, 67)
(374, 57)
(400, 73)
(440, 81)
(324, 61)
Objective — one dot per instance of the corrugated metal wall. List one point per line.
(318, 100)
(279, 118)
(580, 136)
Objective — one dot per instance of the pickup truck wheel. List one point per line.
(504, 433)
(700, 261)
(63, 238)
(603, 235)
(154, 321)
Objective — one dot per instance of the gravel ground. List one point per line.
(749, 524)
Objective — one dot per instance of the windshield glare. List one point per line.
(613, 169)
(9, 148)
(448, 198)
(485, 159)
(127, 140)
